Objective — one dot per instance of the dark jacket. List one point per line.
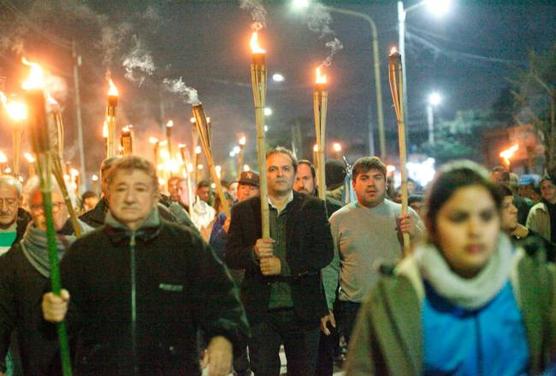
(22, 220)
(308, 250)
(387, 339)
(96, 216)
(21, 290)
(179, 286)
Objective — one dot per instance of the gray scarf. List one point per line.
(35, 248)
(470, 293)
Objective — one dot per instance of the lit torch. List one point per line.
(17, 112)
(395, 75)
(258, 83)
(320, 105)
(185, 157)
(507, 155)
(111, 119)
(204, 136)
(240, 155)
(34, 94)
(31, 164)
(169, 126)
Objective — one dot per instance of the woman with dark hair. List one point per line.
(467, 302)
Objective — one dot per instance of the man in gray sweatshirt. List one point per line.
(366, 234)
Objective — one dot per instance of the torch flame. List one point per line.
(320, 77)
(36, 76)
(255, 48)
(393, 50)
(508, 153)
(29, 157)
(242, 141)
(198, 150)
(113, 90)
(16, 110)
(3, 158)
(153, 140)
(170, 124)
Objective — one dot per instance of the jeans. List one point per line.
(300, 342)
(347, 317)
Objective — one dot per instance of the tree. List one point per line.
(536, 99)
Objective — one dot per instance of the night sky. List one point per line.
(467, 56)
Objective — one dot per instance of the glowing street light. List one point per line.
(337, 148)
(278, 77)
(267, 111)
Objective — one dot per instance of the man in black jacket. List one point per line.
(282, 290)
(141, 288)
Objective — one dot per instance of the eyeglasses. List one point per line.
(9, 202)
(55, 206)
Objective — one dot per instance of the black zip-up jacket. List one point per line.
(137, 302)
(309, 248)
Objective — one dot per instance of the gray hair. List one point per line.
(12, 182)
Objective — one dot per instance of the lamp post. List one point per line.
(438, 8)
(376, 67)
(434, 100)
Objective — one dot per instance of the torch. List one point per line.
(197, 152)
(39, 139)
(30, 164)
(395, 76)
(3, 162)
(154, 142)
(111, 119)
(204, 136)
(258, 83)
(126, 140)
(507, 155)
(17, 112)
(240, 155)
(185, 157)
(169, 126)
(320, 105)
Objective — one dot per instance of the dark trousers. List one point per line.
(300, 342)
(347, 317)
(328, 347)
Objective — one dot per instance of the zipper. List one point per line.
(133, 301)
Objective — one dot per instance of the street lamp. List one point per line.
(436, 7)
(278, 77)
(434, 100)
(337, 148)
(303, 4)
(267, 111)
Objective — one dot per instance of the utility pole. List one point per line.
(78, 118)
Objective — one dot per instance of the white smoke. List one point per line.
(318, 21)
(138, 64)
(179, 87)
(258, 13)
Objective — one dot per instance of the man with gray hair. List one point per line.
(13, 218)
(142, 287)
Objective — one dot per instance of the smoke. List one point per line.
(258, 13)
(138, 64)
(177, 86)
(318, 21)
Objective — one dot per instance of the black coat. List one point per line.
(309, 248)
(180, 288)
(21, 291)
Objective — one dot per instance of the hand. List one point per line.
(271, 266)
(226, 225)
(406, 224)
(324, 321)
(54, 307)
(264, 248)
(218, 357)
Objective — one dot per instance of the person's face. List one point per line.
(304, 181)
(509, 214)
(9, 202)
(59, 211)
(418, 206)
(499, 177)
(90, 202)
(246, 191)
(410, 187)
(182, 191)
(370, 187)
(548, 191)
(131, 197)
(280, 174)
(233, 190)
(467, 234)
(204, 193)
(173, 189)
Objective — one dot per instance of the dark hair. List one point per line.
(88, 194)
(311, 166)
(130, 163)
(203, 184)
(365, 164)
(504, 190)
(173, 178)
(415, 198)
(283, 150)
(451, 177)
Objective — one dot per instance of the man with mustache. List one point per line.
(282, 288)
(366, 234)
(13, 218)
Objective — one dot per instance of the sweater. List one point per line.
(364, 238)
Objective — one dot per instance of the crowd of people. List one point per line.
(158, 285)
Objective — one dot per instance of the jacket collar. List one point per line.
(119, 233)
